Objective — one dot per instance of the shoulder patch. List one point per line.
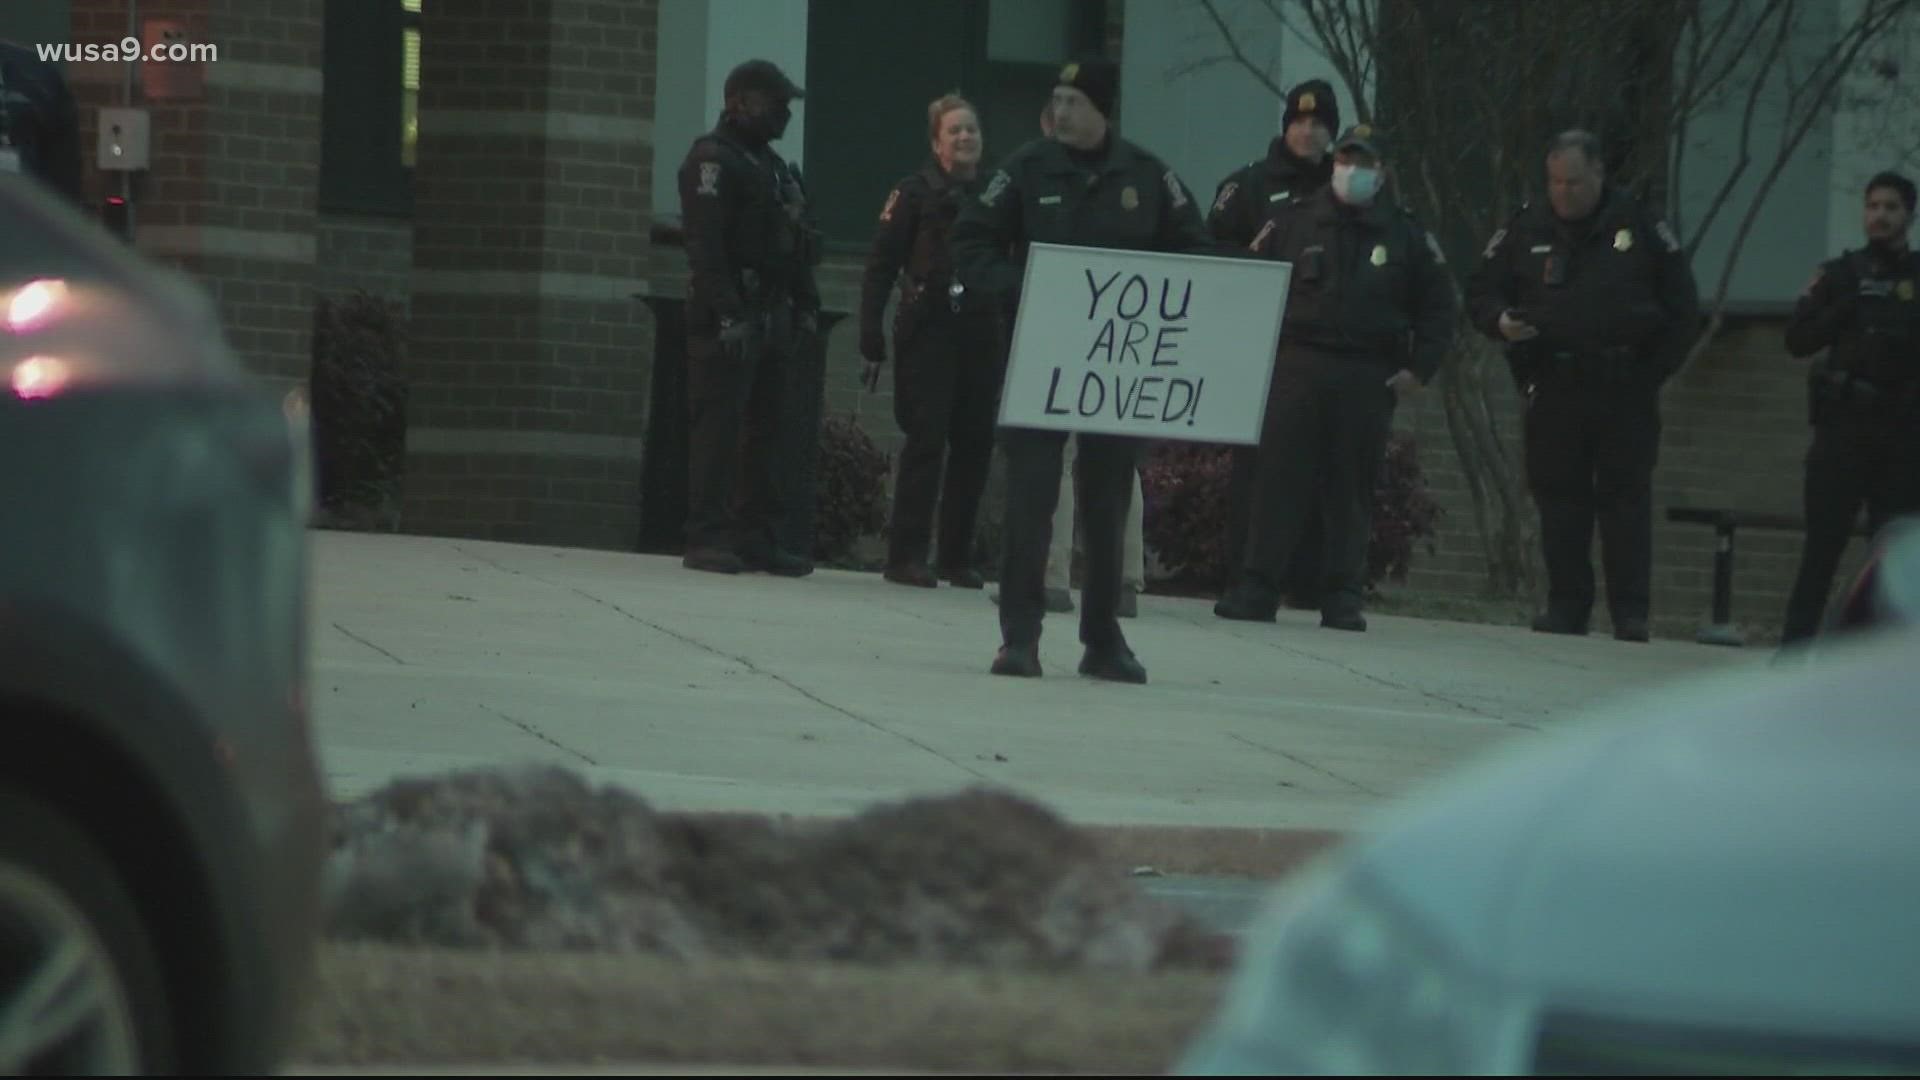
(893, 199)
(1665, 232)
(1493, 245)
(995, 188)
(709, 178)
(1176, 191)
(1226, 195)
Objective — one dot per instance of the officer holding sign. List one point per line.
(1087, 187)
(1370, 315)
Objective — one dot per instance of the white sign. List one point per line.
(1149, 344)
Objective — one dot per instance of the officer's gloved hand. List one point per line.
(733, 336)
(873, 348)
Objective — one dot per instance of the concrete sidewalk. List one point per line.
(824, 694)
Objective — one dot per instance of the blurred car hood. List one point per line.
(1743, 843)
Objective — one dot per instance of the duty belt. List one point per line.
(755, 285)
(1617, 354)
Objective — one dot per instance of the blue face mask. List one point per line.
(1356, 184)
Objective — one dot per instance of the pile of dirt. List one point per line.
(538, 859)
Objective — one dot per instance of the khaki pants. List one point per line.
(1060, 554)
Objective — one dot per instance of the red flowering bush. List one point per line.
(851, 494)
(1185, 486)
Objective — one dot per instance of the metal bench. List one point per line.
(1724, 522)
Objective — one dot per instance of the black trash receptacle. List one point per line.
(806, 404)
(663, 458)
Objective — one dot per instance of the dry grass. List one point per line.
(378, 1005)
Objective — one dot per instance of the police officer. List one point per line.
(1296, 165)
(949, 355)
(1084, 186)
(39, 126)
(1370, 315)
(751, 299)
(1865, 397)
(1597, 306)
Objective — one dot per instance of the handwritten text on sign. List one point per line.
(1142, 343)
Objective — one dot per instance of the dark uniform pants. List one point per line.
(1591, 450)
(1305, 577)
(734, 401)
(946, 386)
(1325, 434)
(1853, 461)
(1103, 489)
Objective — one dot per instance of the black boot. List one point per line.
(781, 563)
(1115, 663)
(1632, 628)
(1551, 623)
(963, 578)
(713, 561)
(1344, 619)
(1250, 600)
(915, 574)
(1022, 661)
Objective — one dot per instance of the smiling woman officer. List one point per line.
(949, 352)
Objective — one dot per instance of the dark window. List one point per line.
(367, 114)
(874, 65)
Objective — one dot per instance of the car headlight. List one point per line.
(1338, 979)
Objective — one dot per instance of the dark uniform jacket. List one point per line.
(1129, 200)
(915, 236)
(1259, 190)
(750, 234)
(1616, 286)
(1367, 281)
(1862, 308)
(38, 119)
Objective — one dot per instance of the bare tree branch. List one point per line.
(1237, 54)
(1844, 52)
(1745, 158)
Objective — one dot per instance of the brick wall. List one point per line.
(531, 194)
(364, 252)
(231, 192)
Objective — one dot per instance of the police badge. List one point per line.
(1623, 240)
(1129, 198)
